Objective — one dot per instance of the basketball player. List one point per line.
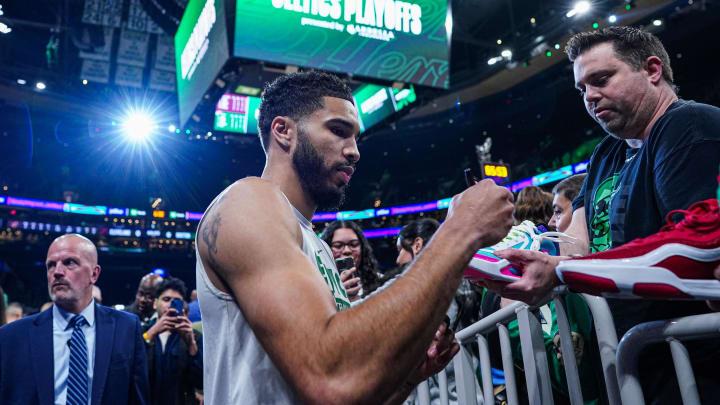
(277, 321)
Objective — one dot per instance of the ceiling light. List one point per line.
(21, 82)
(492, 61)
(506, 53)
(580, 7)
(138, 126)
(40, 86)
(657, 23)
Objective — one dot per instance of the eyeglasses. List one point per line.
(353, 244)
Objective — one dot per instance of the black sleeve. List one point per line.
(687, 175)
(687, 156)
(195, 363)
(579, 201)
(139, 385)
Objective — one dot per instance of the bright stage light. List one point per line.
(138, 127)
(40, 86)
(612, 19)
(171, 128)
(580, 7)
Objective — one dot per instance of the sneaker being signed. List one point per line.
(486, 266)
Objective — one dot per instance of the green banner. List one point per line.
(402, 41)
(201, 49)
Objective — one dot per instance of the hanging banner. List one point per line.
(103, 12)
(162, 80)
(139, 20)
(104, 52)
(165, 53)
(133, 47)
(129, 76)
(95, 71)
(92, 12)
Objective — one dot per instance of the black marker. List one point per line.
(470, 178)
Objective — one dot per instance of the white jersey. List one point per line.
(237, 370)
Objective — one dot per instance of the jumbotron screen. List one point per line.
(238, 113)
(201, 50)
(405, 41)
(375, 103)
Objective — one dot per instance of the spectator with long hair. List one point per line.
(533, 204)
(346, 239)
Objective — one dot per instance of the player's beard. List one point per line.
(314, 175)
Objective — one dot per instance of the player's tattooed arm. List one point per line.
(209, 229)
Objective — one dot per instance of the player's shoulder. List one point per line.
(247, 206)
(253, 191)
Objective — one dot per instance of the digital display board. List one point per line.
(404, 41)
(201, 50)
(499, 172)
(237, 113)
(375, 103)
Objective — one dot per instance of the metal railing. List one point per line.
(534, 355)
(672, 331)
(619, 362)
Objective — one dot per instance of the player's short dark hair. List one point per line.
(632, 45)
(172, 283)
(297, 95)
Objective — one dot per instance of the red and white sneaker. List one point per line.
(677, 262)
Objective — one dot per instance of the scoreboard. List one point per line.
(499, 172)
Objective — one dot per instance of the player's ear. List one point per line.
(283, 132)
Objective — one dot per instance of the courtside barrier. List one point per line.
(533, 353)
(672, 331)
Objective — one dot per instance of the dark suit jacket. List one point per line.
(174, 375)
(27, 367)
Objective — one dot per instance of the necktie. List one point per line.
(77, 380)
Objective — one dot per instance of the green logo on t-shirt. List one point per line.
(333, 281)
(600, 222)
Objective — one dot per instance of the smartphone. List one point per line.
(344, 263)
(178, 305)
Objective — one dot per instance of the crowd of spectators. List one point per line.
(153, 352)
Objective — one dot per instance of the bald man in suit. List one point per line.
(76, 352)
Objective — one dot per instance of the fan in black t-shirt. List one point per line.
(662, 154)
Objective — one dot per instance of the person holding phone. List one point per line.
(346, 239)
(174, 348)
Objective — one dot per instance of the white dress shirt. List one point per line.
(61, 350)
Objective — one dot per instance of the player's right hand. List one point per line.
(486, 209)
